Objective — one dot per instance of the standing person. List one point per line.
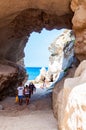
(32, 88)
(44, 82)
(51, 78)
(20, 92)
(27, 94)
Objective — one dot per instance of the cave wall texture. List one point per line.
(18, 19)
(79, 26)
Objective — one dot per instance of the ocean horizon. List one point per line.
(33, 72)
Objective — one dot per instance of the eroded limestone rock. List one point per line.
(60, 95)
(10, 75)
(42, 75)
(19, 19)
(75, 112)
(67, 104)
(62, 54)
(79, 26)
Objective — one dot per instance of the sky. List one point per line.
(36, 50)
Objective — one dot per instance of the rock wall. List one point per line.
(79, 26)
(10, 75)
(62, 54)
(61, 58)
(60, 96)
(75, 111)
(19, 19)
(68, 99)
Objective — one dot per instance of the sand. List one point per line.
(38, 115)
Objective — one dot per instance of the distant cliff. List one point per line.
(62, 54)
(61, 57)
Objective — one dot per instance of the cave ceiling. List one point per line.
(19, 19)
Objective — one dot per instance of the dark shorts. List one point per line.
(20, 97)
(27, 95)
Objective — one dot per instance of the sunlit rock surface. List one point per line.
(62, 56)
(79, 26)
(18, 19)
(41, 75)
(79, 76)
(75, 112)
(61, 99)
(62, 53)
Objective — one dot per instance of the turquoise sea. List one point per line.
(33, 72)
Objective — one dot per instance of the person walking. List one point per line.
(20, 93)
(32, 88)
(27, 94)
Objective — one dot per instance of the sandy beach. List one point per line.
(38, 115)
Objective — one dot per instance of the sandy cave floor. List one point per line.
(38, 115)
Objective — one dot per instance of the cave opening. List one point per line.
(36, 50)
(22, 26)
(26, 17)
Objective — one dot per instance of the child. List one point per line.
(27, 94)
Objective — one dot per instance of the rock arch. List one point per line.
(19, 18)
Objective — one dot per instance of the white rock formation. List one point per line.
(42, 74)
(62, 53)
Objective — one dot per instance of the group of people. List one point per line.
(25, 92)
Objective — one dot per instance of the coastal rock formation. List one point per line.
(21, 62)
(61, 58)
(18, 19)
(61, 98)
(10, 75)
(79, 26)
(75, 112)
(42, 75)
(62, 54)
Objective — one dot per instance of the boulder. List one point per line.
(10, 75)
(61, 95)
